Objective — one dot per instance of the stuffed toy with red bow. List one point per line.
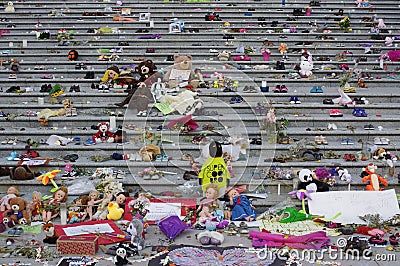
(103, 134)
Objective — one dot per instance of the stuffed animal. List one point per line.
(104, 134)
(120, 257)
(145, 69)
(389, 41)
(224, 55)
(344, 175)
(361, 83)
(369, 174)
(9, 8)
(69, 109)
(185, 102)
(73, 55)
(51, 234)
(114, 211)
(387, 157)
(181, 72)
(17, 211)
(135, 229)
(308, 182)
(306, 64)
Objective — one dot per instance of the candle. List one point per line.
(279, 189)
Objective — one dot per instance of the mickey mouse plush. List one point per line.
(104, 134)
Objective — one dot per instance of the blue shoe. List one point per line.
(89, 142)
(356, 112)
(314, 89)
(296, 100)
(292, 100)
(350, 141)
(13, 156)
(344, 141)
(362, 113)
(320, 90)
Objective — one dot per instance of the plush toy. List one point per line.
(309, 183)
(224, 55)
(145, 69)
(369, 174)
(387, 157)
(120, 257)
(181, 72)
(51, 234)
(306, 64)
(109, 78)
(135, 229)
(9, 8)
(283, 48)
(361, 83)
(389, 41)
(114, 211)
(73, 55)
(149, 152)
(69, 109)
(185, 102)
(12, 192)
(344, 175)
(104, 134)
(17, 211)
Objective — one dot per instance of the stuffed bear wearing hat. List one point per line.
(104, 134)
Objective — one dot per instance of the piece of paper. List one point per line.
(158, 210)
(295, 228)
(164, 108)
(176, 74)
(88, 229)
(353, 204)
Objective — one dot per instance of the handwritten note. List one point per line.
(353, 204)
(88, 229)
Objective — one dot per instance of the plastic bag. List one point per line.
(172, 226)
(82, 187)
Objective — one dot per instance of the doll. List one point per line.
(51, 207)
(12, 192)
(110, 77)
(93, 200)
(283, 50)
(35, 205)
(102, 211)
(242, 210)
(209, 204)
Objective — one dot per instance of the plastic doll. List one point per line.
(12, 192)
(209, 204)
(83, 206)
(35, 205)
(242, 210)
(93, 200)
(283, 50)
(102, 210)
(110, 76)
(120, 198)
(51, 207)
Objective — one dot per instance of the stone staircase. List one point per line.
(199, 38)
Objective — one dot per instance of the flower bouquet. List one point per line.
(150, 173)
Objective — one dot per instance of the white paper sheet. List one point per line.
(88, 229)
(353, 204)
(158, 210)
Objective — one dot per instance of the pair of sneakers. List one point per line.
(280, 88)
(359, 112)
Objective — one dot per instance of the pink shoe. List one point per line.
(266, 53)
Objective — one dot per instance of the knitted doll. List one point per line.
(242, 210)
(51, 206)
(12, 192)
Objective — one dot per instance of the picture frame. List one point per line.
(144, 17)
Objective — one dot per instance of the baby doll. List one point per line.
(120, 198)
(241, 206)
(35, 205)
(209, 204)
(102, 211)
(51, 206)
(75, 212)
(93, 200)
(12, 192)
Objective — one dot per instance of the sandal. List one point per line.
(231, 229)
(331, 155)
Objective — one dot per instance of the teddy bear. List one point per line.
(147, 76)
(306, 64)
(185, 102)
(181, 73)
(369, 174)
(114, 211)
(387, 157)
(103, 134)
(224, 56)
(361, 83)
(9, 8)
(17, 211)
(69, 109)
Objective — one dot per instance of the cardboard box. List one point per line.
(78, 245)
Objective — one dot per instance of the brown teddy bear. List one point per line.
(361, 83)
(181, 72)
(17, 212)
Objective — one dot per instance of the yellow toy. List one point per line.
(114, 211)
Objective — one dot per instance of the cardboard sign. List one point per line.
(352, 204)
(163, 207)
